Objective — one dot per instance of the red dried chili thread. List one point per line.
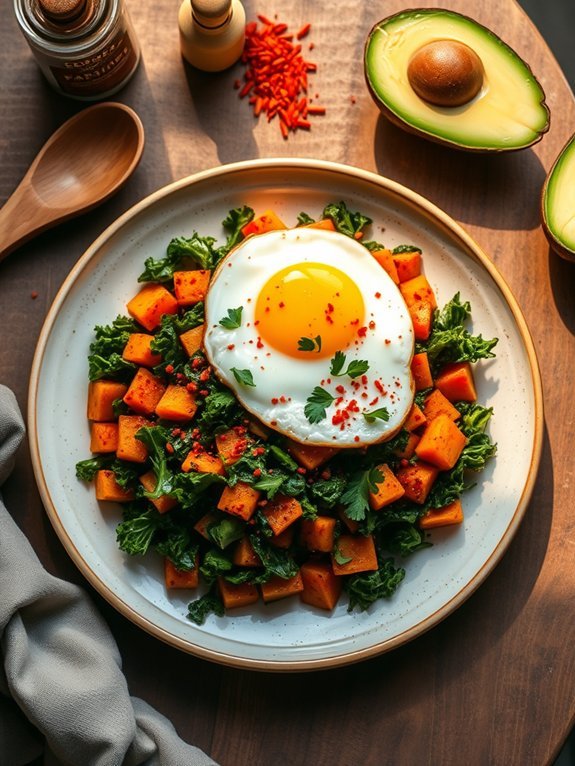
(276, 79)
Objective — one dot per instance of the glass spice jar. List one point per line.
(86, 49)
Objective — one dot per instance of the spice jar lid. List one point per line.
(209, 13)
(62, 10)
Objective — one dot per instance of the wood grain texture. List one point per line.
(494, 683)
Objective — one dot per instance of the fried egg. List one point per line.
(313, 337)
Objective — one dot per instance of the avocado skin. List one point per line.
(406, 125)
(555, 243)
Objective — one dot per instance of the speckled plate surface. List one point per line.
(285, 635)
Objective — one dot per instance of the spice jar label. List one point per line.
(104, 69)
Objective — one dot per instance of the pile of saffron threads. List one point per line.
(276, 77)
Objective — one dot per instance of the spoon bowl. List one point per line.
(80, 166)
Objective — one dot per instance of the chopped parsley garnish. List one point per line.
(354, 369)
(317, 404)
(356, 496)
(309, 344)
(244, 377)
(233, 319)
(379, 414)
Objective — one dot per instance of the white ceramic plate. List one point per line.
(285, 635)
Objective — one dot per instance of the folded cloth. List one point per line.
(62, 691)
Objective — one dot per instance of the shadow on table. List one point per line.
(562, 278)
(499, 191)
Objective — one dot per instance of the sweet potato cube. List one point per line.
(284, 539)
(240, 500)
(177, 403)
(267, 221)
(101, 396)
(181, 578)
(231, 445)
(191, 287)
(192, 339)
(417, 289)
(310, 456)
(138, 350)
(202, 524)
(388, 491)
(417, 480)
(235, 596)
(408, 265)
(244, 554)
(130, 448)
(324, 223)
(443, 517)
(421, 371)
(144, 392)
(437, 404)
(385, 260)
(203, 462)
(359, 550)
(164, 503)
(321, 587)
(351, 525)
(318, 534)
(442, 443)
(281, 512)
(421, 313)
(409, 450)
(276, 587)
(455, 381)
(108, 489)
(103, 437)
(415, 419)
(150, 304)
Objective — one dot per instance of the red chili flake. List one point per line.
(378, 295)
(387, 341)
(33, 295)
(169, 368)
(352, 99)
(231, 346)
(356, 438)
(374, 401)
(283, 400)
(362, 332)
(372, 325)
(325, 474)
(404, 462)
(191, 387)
(257, 472)
(330, 309)
(257, 451)
(328, 319)
(281, 304)
(205, 374)
(276, 76)
(301, 470)
(304, 31)
(275, 400)
(340, 389)
(170, 448)
(204, 392)
(259, 344)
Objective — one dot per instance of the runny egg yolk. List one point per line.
(313, 301)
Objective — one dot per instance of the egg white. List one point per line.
(283, 383)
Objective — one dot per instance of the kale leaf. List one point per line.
(209, 603)
(367, 587)
(346, 221)
(105, 356)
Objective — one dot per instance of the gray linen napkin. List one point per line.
(62, 691)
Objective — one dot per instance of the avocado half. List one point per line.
(507, 112)
(558, 203)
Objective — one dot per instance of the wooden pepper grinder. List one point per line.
(212, 33)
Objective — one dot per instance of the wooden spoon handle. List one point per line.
(22, 216)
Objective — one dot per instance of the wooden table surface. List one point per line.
(495, 682)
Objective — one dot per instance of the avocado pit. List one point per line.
(445, 73)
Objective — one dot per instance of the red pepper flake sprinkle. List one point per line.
(33, 295)
(169, 368)
(276, 77)
(170, 448)
(257, 472)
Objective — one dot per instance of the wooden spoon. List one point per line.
(82, 164)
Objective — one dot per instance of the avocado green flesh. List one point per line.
(559, 198)
(509, 111)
